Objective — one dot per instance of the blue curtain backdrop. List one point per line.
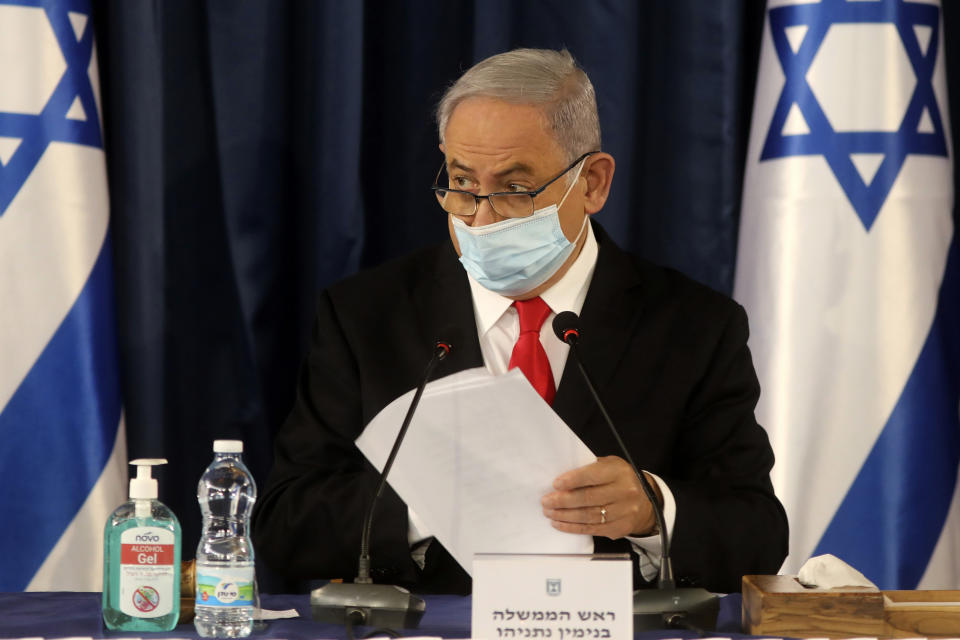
(259, 150)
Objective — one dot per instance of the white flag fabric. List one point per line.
(63, 451)
(847, 265)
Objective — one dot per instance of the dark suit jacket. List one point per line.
(669, 357)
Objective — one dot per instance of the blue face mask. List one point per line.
(517, 255)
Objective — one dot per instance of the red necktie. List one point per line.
(528, 353)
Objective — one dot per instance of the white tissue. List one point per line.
(829, 572)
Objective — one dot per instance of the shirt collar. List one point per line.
(566, 294)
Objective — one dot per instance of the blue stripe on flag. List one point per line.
(890, 520)
(58, 429)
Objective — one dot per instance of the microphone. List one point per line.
(668, 606)
(362, 602)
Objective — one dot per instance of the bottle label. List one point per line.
(147, 572)
(225, 586)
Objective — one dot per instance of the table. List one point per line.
(72, 614)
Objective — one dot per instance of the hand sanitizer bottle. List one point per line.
(141, 559)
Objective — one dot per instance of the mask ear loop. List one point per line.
(582, 227)
(576, 177)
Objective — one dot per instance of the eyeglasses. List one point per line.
(509, 204)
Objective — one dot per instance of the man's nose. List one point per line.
(485, 214)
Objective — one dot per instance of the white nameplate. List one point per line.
(560, 597)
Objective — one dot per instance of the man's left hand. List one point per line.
(604, 498)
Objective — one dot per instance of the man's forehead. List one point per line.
(495, 132)
(484, 107)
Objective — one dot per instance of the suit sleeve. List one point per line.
(307, 523)
(729, 522)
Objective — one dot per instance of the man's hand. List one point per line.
(604, 498)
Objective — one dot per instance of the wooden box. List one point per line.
(780, 606)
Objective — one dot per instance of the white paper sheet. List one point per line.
(480, 453)
(270, 614)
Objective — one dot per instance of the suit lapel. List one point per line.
(610, 313)
(443, 301)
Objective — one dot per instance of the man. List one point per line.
(523, 173)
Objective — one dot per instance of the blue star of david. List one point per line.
(836, 146)
(52, 125)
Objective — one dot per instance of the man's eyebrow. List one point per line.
(516, 167)
(456, 164)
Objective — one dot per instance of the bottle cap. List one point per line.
(144, 486)
(228, 446)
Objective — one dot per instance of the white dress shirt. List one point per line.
(498, 327)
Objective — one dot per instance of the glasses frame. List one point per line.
(477, 198)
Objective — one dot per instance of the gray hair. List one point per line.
(551, 80)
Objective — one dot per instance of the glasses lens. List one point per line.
(457, 203)
(512, 205)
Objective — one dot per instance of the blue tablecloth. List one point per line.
(71, 614)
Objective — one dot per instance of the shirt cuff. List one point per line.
(648, 548)
(417, 531)
(418, 536)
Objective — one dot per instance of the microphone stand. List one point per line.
(363, 602)
(667, 606)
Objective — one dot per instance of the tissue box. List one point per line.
(781, 606)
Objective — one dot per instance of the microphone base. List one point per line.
(656, 608)
(375, 605)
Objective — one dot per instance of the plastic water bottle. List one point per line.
(225, 576)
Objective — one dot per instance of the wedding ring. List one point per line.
(603, 515)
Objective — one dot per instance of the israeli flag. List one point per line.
(62, 446)
(848, 268)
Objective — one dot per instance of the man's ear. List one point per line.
(599, 175)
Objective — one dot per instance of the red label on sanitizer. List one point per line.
(146, 553)
(146, 572)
